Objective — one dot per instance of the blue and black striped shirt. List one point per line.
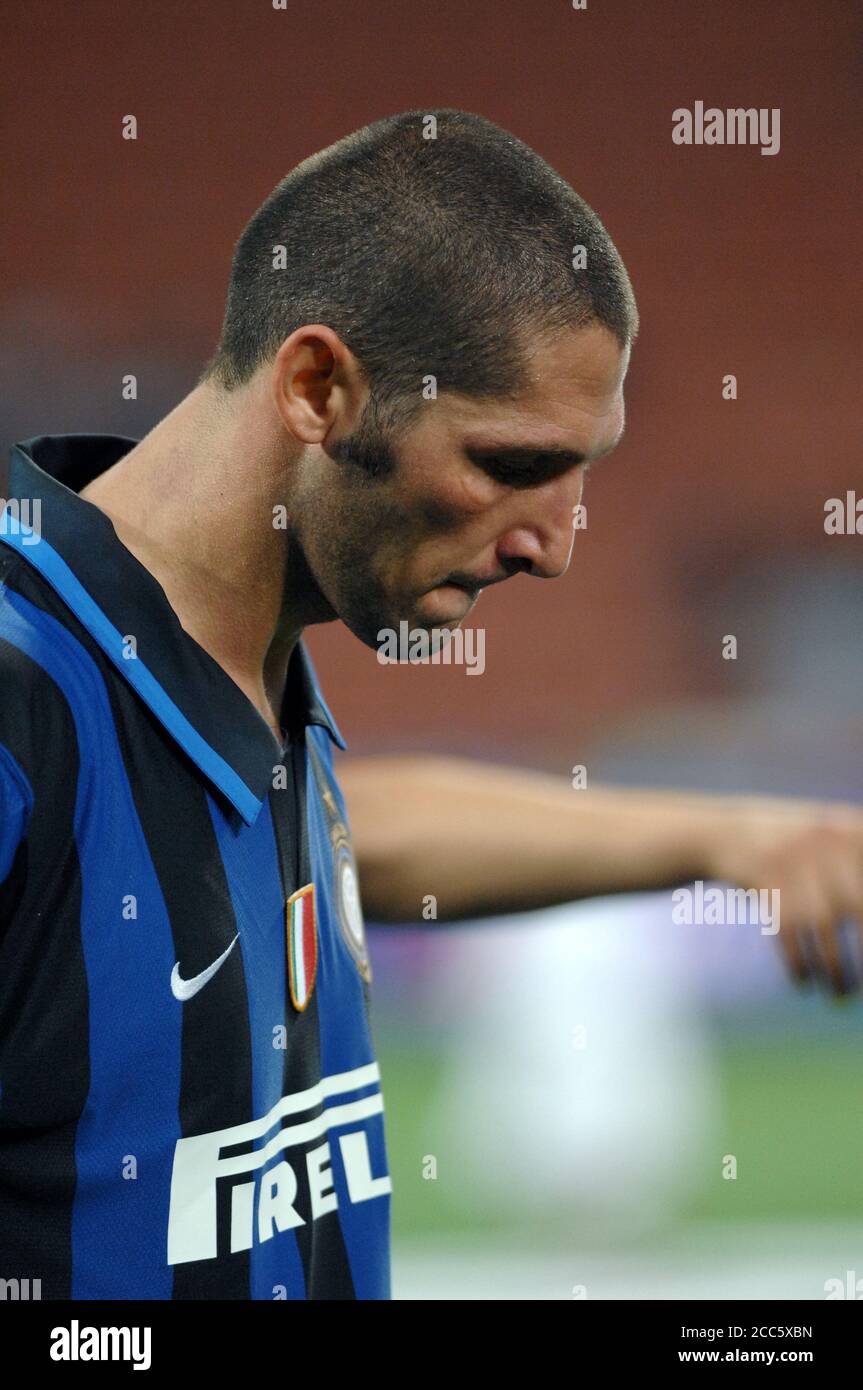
(190, 1105)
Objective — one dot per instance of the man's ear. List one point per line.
(315, 379)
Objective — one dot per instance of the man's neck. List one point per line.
(193, 502)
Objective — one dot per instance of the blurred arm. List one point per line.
(487, 839)
(493, 839)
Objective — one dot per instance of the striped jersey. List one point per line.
(190, 1106)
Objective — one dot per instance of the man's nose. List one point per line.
(540, 540)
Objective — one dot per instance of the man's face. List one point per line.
(473, 493)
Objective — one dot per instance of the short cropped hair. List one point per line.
(432, 247)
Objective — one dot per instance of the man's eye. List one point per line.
(513, 474)
(529, 472)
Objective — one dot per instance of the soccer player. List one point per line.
(424, 347)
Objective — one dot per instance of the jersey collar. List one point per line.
(114, 597)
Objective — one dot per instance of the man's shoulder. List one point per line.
(25, 627)
(32, 630)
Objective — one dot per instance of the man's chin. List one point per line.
(447, 605)
(440, 610)
(417, 630)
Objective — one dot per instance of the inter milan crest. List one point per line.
(349, 906)
(346, 884)
(302, 945)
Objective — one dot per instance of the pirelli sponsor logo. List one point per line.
(265, 1180)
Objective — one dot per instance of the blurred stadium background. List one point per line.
(559, 1166)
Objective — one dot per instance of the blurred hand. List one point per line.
(813, 853)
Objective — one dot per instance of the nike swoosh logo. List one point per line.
(184, 989)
